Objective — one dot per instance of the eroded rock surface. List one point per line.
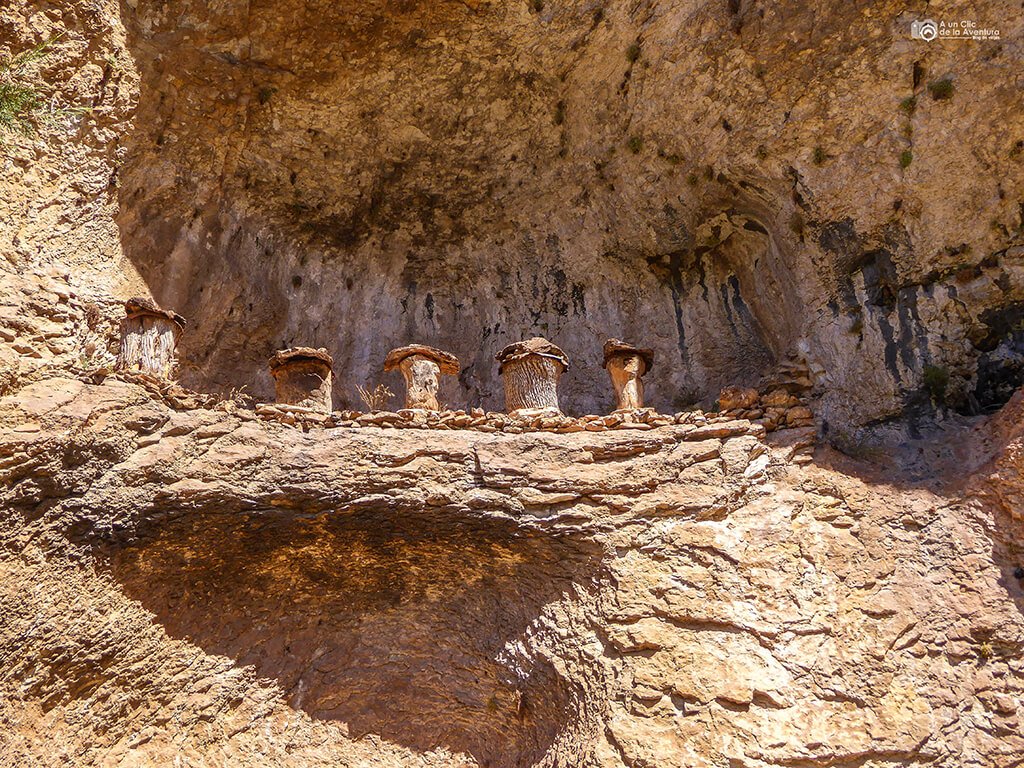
(743, 186)
(768, 195)
(205, 585)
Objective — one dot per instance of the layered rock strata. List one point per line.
(199, 586)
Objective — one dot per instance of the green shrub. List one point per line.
(819, 156)
(633, 52)
(909, 104)
(906, 158)
(941, 89)
(635, 144)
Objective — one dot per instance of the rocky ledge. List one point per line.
(207, 586)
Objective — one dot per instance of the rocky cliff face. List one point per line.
(203, 586)
(793, 193)
(740, 186)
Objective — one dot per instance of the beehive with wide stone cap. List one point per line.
(149, 338)
(530, 370)
(303, 377)
(422, 368)
(627, 365)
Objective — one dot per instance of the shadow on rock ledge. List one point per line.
(422, 631)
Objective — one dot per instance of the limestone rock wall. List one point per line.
(721, 181)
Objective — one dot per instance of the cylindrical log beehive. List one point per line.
(422, 368)
(530, 370)
(626, 366)
(149, 339)
(302, 376)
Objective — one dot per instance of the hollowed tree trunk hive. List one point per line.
(149, 339)
(530, 371)
(422, 367)
(302, 377)
(626, 366)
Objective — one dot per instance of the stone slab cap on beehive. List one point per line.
(447, 362)
(538, 345)
(140, 305)
(300, 353)
(614, 347)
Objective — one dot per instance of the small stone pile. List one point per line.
(172, 394)
(775, 409)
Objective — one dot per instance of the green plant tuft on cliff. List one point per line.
(906, 158)
(941, 90)
(936, 380)
(633, 52)
(819, 156)
(20, 97)
(18, 103)
(909, 105)
(635, 144)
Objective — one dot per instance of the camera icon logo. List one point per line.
(924, 29)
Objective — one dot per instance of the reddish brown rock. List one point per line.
(779, 398)
(737, 398)
(347, 550)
